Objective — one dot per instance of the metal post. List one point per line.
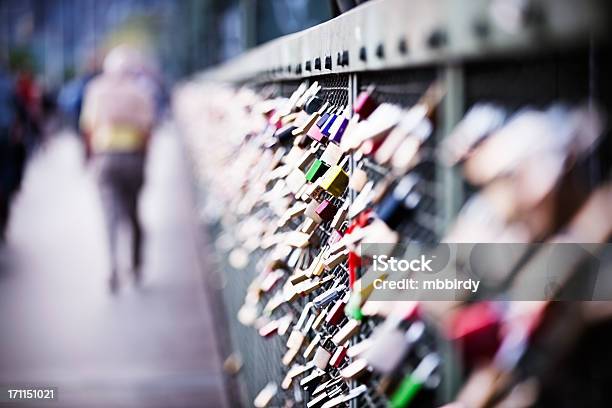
(450, 198)
(450, 183)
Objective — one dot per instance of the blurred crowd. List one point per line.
(112, 106)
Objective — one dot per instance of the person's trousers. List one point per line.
(120, 178)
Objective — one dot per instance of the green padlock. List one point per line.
(316, 170)
(412, 384)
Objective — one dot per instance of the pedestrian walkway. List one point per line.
(152, 347)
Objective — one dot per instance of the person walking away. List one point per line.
(117, 120)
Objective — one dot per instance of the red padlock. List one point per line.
(365, 103)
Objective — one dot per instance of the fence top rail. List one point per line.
(388, 34)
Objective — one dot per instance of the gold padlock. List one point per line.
(335, 180)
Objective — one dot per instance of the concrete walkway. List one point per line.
(152, 347)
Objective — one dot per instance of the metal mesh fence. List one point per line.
(261, 357)
(507, 84)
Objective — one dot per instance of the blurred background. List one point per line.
(57, 38)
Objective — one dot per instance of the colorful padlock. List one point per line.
(311, 211)
(328, 124)
(315, 133)
(365, 103)
(326, 210)
(410, 386)
(399, 205)
(338, 128)
(322, 120)
(335, 180)
(316, 170)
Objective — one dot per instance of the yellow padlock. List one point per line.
(335, 180)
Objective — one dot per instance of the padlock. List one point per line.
(318, 399)
(308, 226)
(311, 211)
(316, 267)
(355, 369)
(284, 323)
(373, 129)
(295, 181)
(296, 95)
(335, 180)
(338, 356)
(323, 119)
(322, 354)
(313, 379)
(312, 346)
(312, 90)
(409, 121)
(336, 259)
(339, 219)
(326, 128)
(316, 170)
(365, 103)
(313, 192)
(305, 124)
(328, 386)
(318, 323)
(409, 152)
(393, 338)
(326, 210)
(358, 179)
(309, 121)
(329, 296)
(359, 348)
(332, 154)
(265, 396)
(362, 201)
(401, 203)
(293, 372)
(283, 134)
(269, 329)
(479, 122)
(336, 313)
(370, 146)
(338, 128)
(293, 156)
(343, 399)
(315, 133)
(345, 333)
(314, 104)
(410, 386)
(476, 329)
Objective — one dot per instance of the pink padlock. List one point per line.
(326, 210)
(315, 133)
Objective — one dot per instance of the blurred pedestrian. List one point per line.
(117, 119)
(29, 110)
(12, 153)
(70, 98)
